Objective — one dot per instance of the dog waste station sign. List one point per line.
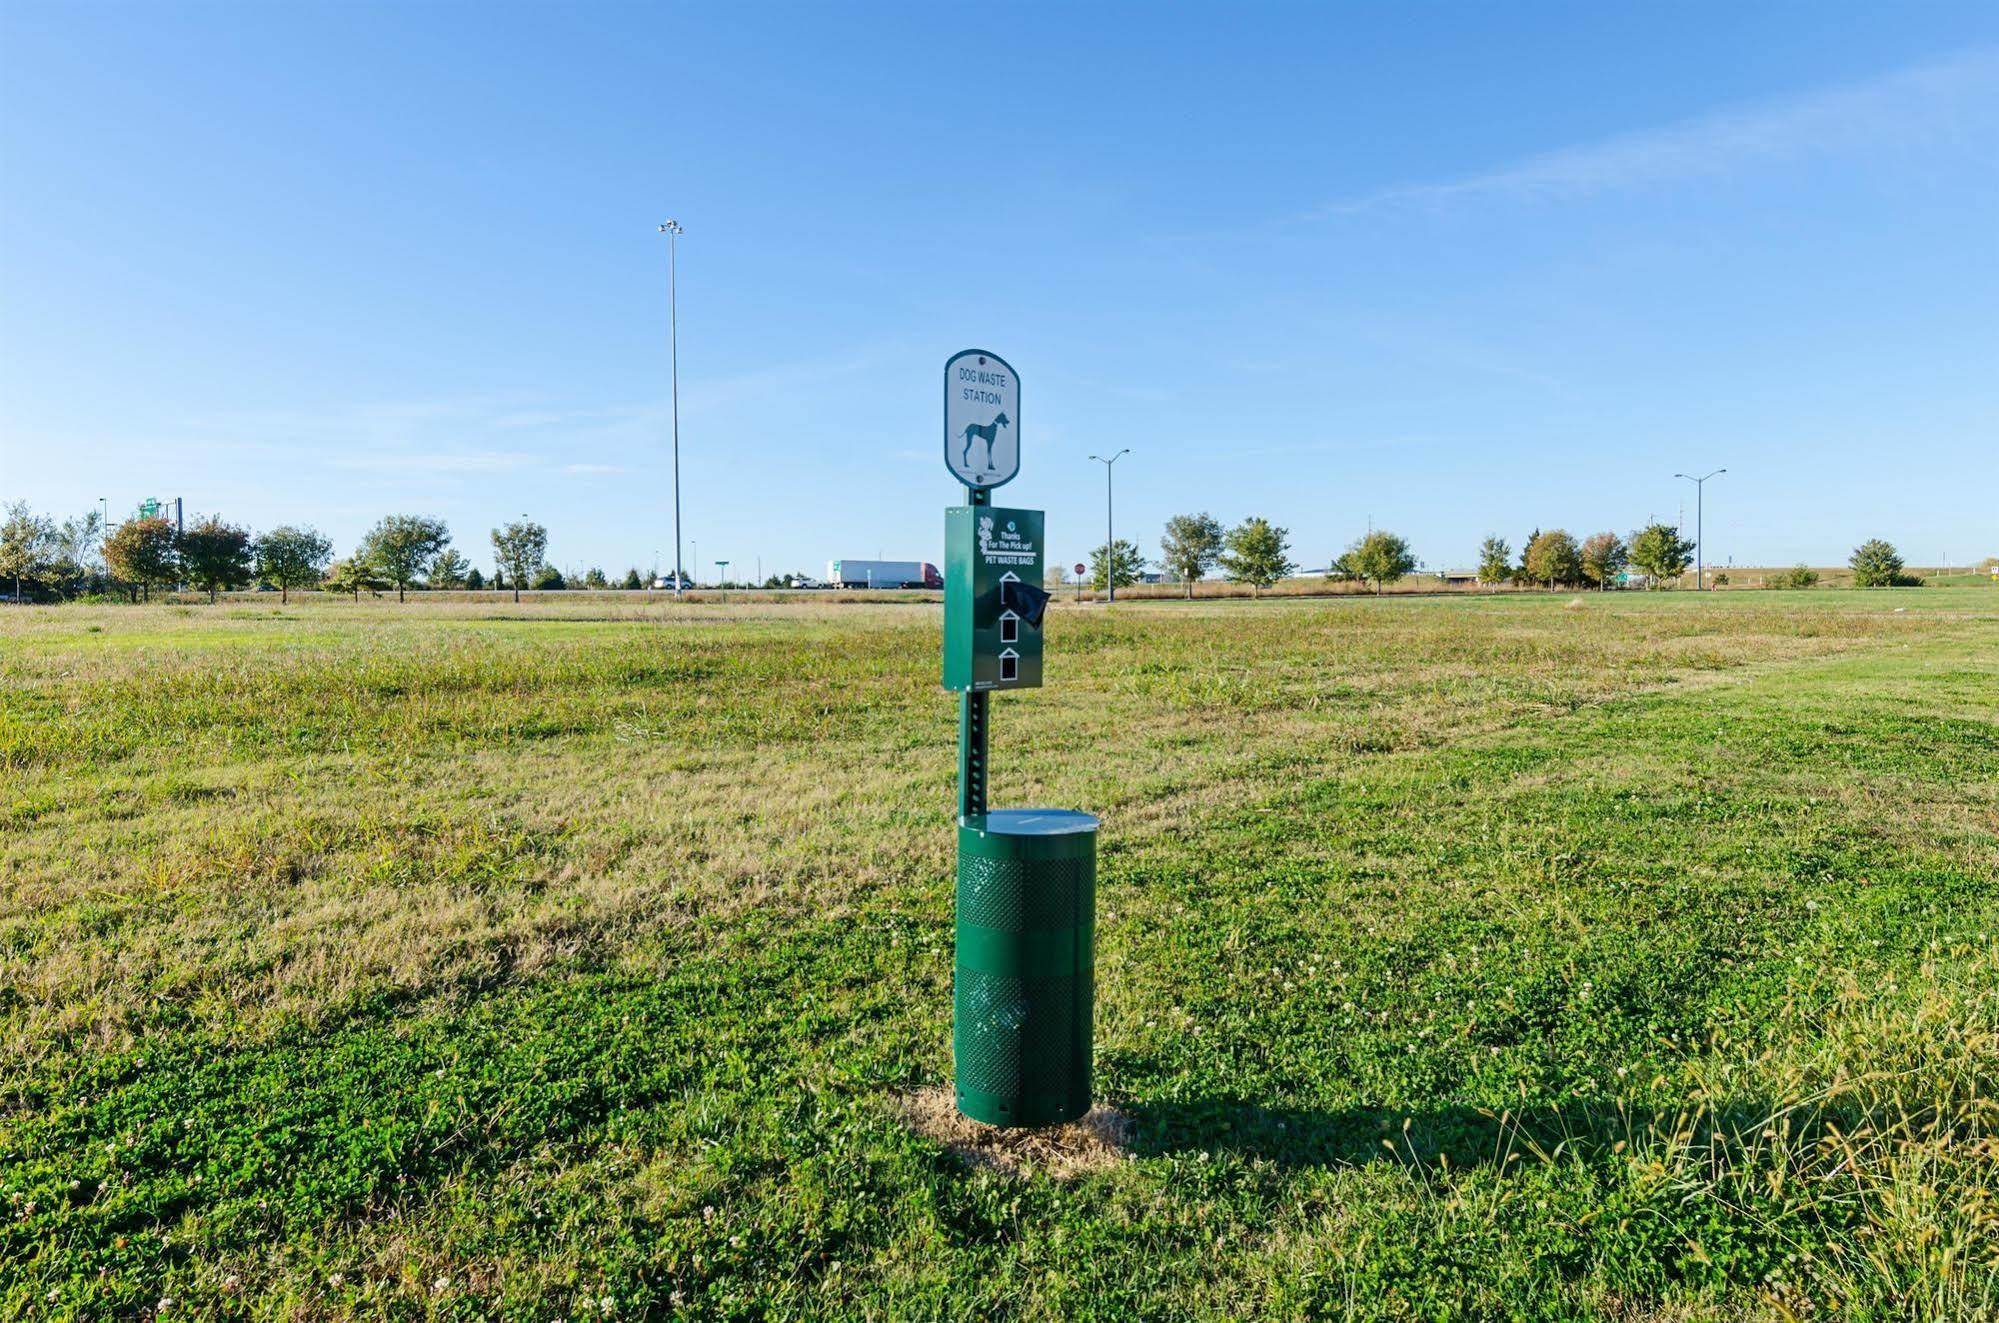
(1024, 982)
(981, 419)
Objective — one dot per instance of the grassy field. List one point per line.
(1624, 958)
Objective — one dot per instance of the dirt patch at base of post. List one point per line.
(1099, 1141)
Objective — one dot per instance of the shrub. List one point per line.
(1801, 576)
(1876, 564)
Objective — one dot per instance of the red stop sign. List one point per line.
(1079, 569)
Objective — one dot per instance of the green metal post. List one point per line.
(972, 725)
(972, 745)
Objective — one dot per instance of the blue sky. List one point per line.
(1453, 269)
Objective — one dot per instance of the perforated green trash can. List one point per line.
(1026, 978)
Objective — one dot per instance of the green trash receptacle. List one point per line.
(1025, 986)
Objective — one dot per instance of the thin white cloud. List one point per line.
(439, 462)
(456, 441)
(1937, 102)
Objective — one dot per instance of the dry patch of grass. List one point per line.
(1096, 1143)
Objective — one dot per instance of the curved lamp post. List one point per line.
(1110, 540)
(1700, 537)
(672, 230)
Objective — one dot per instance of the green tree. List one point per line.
(215, 554)
(73, 558)
(547, 579)
(1495, 560)
(1604, 557)
(519, 549)
(594, 578)
(143, 553)
(1553, 557)
(1256, 552)
(1129, 565)
(1661, 552)
(449, 570)
(474, 580)
(1521, 574)
(1192, 546)
(1380, 556)
(291, 558)
(632, 580)
(355, 575)
(1876, 564)
(26, 542)
(402, 547)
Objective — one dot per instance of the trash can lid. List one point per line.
(1033, 822)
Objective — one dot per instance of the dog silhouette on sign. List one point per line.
(988, 433)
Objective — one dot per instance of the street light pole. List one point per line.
(672, 230)
(1700, 534)
(1110, 537)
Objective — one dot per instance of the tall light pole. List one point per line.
(672, 230)
(1110, 538)
(1700, 538)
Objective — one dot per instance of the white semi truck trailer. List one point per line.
(883, 574)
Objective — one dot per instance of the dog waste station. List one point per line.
(1024, 984)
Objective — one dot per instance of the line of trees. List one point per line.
(1257, 552)
(1553, 558)
(73, 558)
(57, 559)
(41, 558)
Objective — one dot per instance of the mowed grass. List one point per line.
(1612, 957)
